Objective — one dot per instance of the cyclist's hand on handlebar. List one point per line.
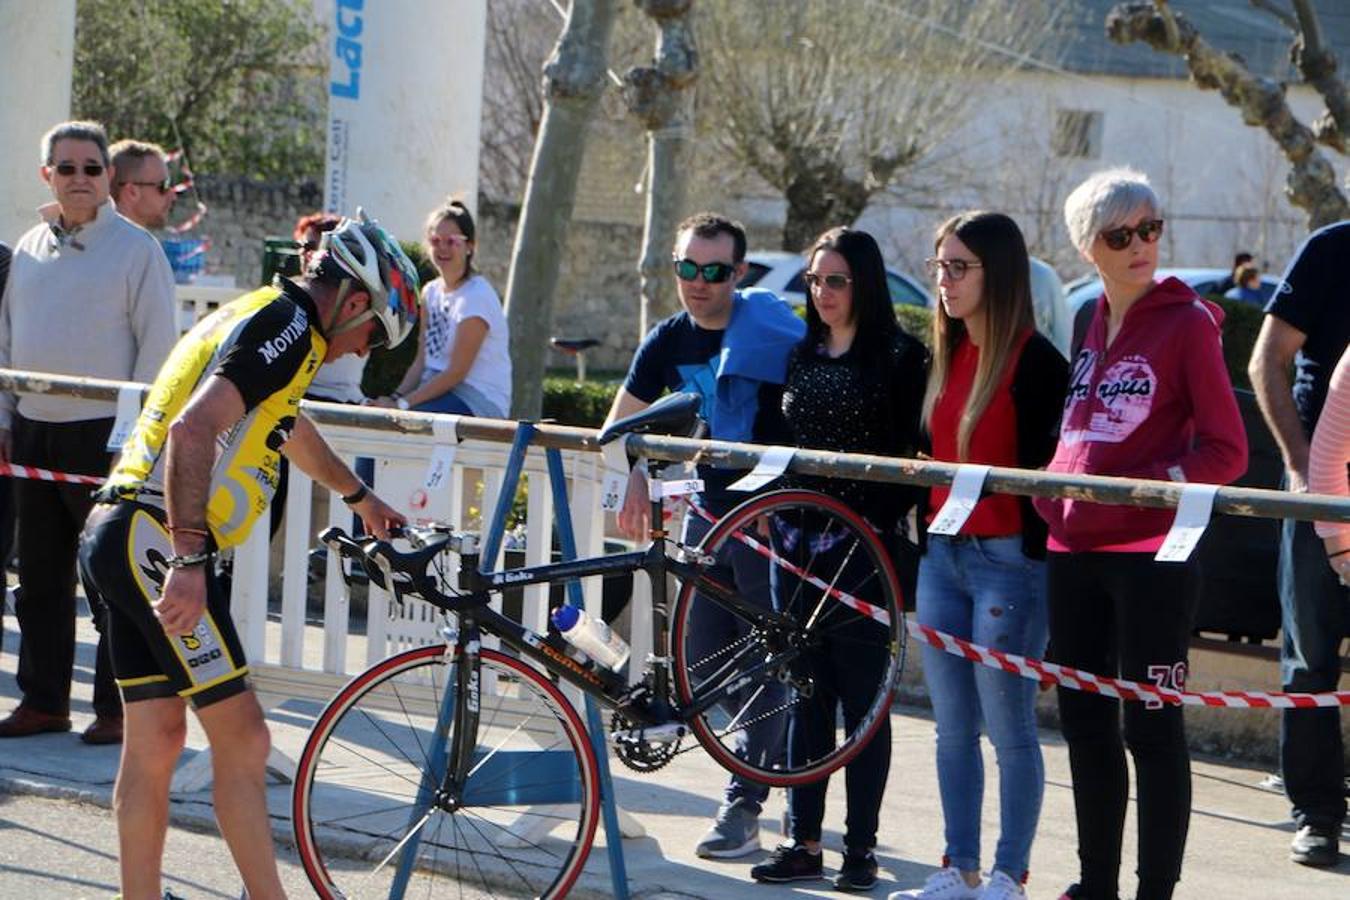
(379, 517)
(635, 515)
(183, 601)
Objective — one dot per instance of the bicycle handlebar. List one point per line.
(397, 572)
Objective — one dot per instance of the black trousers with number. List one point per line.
(1125, 614)
(51, 516)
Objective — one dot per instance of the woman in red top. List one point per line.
(1149, 397)
(993, 397)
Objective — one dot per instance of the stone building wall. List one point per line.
(598, 286)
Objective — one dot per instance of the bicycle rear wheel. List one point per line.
(840, 647)
(368, 818)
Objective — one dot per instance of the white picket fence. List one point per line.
(285, 662)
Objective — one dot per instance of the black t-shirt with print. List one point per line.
(1312, 298)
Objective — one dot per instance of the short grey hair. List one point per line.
(75, 131)
(1104, 201)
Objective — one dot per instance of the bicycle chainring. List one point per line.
(638, 753)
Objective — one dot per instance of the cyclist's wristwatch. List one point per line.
(402, 403)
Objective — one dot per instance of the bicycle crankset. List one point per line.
(645, 749)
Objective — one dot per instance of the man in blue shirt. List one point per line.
(731, 347)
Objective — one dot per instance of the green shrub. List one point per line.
(1241, 323)
(569, 402)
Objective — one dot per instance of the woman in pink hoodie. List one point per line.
(1149, 397)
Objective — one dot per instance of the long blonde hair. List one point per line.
(997, 242)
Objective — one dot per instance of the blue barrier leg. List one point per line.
(431, 780)
(567, 542)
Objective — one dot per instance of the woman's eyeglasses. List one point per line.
(713, 273)
(835, 281)
(1119, 238)
(93, 170)
(956, 269)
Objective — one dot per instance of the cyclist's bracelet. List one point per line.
(191, 559)
(357, 496)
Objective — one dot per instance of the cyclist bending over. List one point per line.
(199, 468)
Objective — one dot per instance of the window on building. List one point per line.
(1078, 133)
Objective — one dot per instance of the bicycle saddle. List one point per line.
(674, 414)
(573, 345)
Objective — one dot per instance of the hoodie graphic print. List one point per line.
(1157, 403)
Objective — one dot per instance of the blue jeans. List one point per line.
(449, 402)
(987, 591)
(1315, 610)
(712, 628)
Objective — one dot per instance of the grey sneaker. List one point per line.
(734, 833)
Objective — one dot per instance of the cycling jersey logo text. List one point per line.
(278, 345)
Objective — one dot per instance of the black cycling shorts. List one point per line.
(122, 554)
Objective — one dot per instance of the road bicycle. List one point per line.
(457, 766)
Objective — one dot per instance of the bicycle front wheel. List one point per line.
(819, 679)
(372, 818)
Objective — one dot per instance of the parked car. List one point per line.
(781, 272)
(1202, 281)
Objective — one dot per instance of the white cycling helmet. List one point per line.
(370, 255)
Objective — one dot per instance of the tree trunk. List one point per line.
(660, 96)
(1311, 185)
(573, 81)
(820, 198)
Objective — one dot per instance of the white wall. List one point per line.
(37, 47)
(1221, 182)
(405, 100)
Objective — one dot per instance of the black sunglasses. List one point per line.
(836, 281)
(93, 170)
(713, 273)
(162, 186)
(1119, 238)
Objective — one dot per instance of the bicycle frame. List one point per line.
(645, 704)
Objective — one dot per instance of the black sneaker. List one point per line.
(858, 873)
(1315, 845)
(789, 862)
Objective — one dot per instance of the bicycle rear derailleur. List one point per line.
(645, 748)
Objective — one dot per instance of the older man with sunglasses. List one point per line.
(140, 183)
(89, 294)
(731, 347)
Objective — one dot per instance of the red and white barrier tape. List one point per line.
(33, 472)
(1121, 688)
(1054, 673)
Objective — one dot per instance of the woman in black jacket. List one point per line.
(855, 384)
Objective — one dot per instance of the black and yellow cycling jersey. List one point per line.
(268, 346)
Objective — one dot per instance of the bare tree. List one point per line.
(660, 97)
(831, 104)
(520, 34)
(574, 78)
(1311, 184)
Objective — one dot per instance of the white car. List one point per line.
(781, 272)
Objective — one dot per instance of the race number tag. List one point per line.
(966, 487)
(773, 463)
(443, 454)
(1193, 514)
(614, 484)
(128, 411)
(679, 487)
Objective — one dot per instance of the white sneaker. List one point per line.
(1000, 886)
(944, 884)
